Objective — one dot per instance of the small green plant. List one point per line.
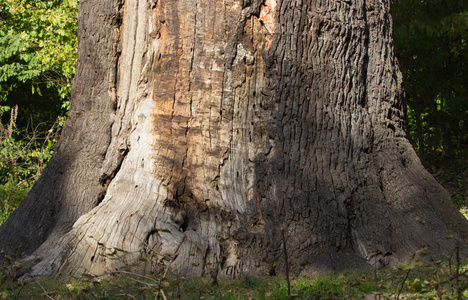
(10, 287)
(23, 155)
(11, 195)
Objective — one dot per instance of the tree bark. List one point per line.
(199, 130)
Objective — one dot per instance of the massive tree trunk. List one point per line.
(199, 130)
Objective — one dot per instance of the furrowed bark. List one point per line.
(200, 129)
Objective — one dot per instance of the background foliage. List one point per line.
(37, 62)
(431, 45)
(37, 58)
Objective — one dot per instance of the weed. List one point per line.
(23, 155)
(11, 195)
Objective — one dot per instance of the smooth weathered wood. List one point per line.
(201, 129)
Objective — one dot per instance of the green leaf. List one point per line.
(121, 250)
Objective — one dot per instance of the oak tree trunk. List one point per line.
(199, 130)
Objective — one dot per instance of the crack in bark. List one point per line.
(249, 9)
(106, 178)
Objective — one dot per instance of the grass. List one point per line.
(11, 195)
(417, 280)
(420, 285)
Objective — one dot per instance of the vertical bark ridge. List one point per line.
(129, 123)
(63, 192)
(312, 208)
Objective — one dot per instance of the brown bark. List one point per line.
(201, 129)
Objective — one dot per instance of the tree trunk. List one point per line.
(199, 130)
